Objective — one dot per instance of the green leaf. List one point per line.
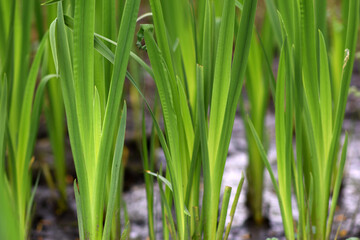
(325, 96)
(221, 78)
(115, 171)
(68, 92)
(36, 111)
(25, 123)
(52, 38)
(83, 70)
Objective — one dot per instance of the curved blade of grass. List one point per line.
(31, 202)
(36, 110)
(52, 38)
(164, 180)
(24, 126)
(25, 123)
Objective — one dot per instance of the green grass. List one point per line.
(305, 95)
(20, 111)
(258, 90)
(55, 118)
(188, 84)
(200, 52)
(96, 137)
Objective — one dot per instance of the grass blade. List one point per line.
(224, 208)
(115, 171)
(234, 205)
(337, 188)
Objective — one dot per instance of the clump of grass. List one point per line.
(258, 84)
(55, 117)
(193, 75)
(20, 111)
(9, 219)
(303, 92)
(96, 122)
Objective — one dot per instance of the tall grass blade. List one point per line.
(115, 171)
